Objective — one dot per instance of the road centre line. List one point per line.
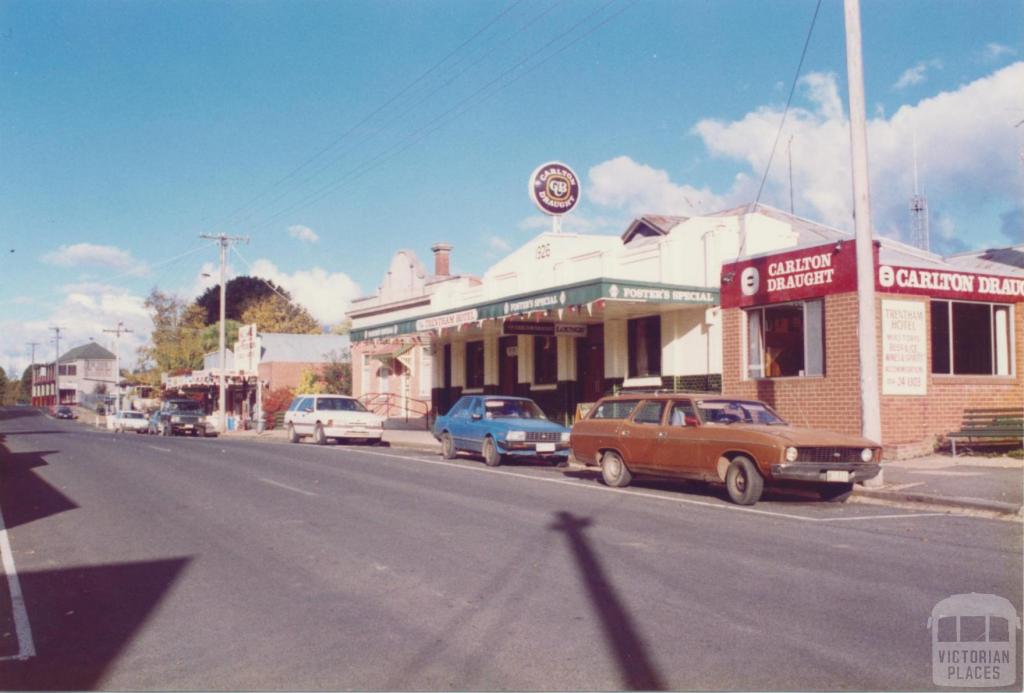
(634, 492)
(155, 447)
(22, 627)
(285, 486)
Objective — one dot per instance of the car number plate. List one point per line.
(837, 476)
(545, 447)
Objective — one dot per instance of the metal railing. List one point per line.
(392, 405)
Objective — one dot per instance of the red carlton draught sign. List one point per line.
(801, 274)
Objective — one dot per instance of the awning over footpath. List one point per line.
(578, 294)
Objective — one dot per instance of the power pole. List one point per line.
(224, 241)
(56, 367)
(870, 401)
(117, 332)
(32, 394)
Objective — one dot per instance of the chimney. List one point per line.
(442, 259)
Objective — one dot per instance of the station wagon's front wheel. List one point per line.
(491, 455)
(447, 446)
(293, 437)
(318, 435)
(614, 470)
(744, 482)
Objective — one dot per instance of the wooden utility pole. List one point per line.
(117, 332)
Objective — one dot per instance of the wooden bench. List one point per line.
(991, 425)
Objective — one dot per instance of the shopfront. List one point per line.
(949, 339)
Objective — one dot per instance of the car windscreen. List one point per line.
(339, 404)
(512, 409)
(727, 411)
(184, 406)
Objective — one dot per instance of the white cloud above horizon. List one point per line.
(917, 74)
(93, 255)
(303, 233)
(326, 295)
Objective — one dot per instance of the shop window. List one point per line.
(644, 346)
(474, 365)
(545, 361)
(970, 338)
(786, 341)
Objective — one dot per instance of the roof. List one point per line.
(92, 350)
(303, 348)
(1009, 261)
(651, 225)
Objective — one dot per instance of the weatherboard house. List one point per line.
(82, 371)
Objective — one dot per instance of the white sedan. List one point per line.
(331, 416)
(130, 421)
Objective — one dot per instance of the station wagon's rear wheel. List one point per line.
(743, 481)
(318, 435)
(836, 493)
(293, 437)
(491, 455)
(614, 470)
(447, 446)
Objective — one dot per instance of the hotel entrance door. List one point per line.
(590, 364)
(508, 365)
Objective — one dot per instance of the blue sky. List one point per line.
(335, 133)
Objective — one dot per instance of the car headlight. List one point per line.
(516, 436)
(867, 454)
(792, 454)
(175, 419)
(565, 436)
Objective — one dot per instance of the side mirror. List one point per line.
(691, 420)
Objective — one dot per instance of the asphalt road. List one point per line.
(180, 563)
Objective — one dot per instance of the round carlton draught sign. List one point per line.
(554, 188)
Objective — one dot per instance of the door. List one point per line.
(680, 450)
(590, 364)
(460, 422)
(639, 437)
(508, 370)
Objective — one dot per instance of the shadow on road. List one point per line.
(24, 495)
(624, 642)
(83, 618)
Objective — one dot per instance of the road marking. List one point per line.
(904, 487)
(286, 486)
(635, 492)
(22, 627)
(155, 447)
(940, 472)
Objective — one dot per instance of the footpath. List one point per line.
(969, 482)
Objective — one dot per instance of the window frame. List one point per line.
(822, 361)
(652, 343)
(950, 346)
(475, 364)
(545, 371)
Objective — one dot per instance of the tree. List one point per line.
(343, 327)
(175, 343)
(209, 336)
(337, 375)
(26, 380)
(239, 293)
(3, 386)
(310, 383)
(277, 314)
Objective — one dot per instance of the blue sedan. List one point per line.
(498, 427)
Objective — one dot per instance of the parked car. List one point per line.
(130, 421)
(64, 413)
(498, 427)
(178, 416)
(323, 417)
(741, 443)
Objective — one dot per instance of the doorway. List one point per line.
(508, 360)
(590, 364)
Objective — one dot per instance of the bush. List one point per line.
(275, 401)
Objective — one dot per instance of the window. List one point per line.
(545, 361)
(474, 364)
(786, 341)
(644, 346)
(649, 413)
(682, 414)
(68, 369)
(970, 338)
(616, 409)
(460, 407)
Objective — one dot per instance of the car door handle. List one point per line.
(661, 434)
(624, 434)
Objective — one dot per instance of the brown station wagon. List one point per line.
(742, 443)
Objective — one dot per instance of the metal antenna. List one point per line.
(918, 210)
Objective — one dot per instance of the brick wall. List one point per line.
(281, 374)
(911, 425)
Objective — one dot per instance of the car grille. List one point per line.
(821, 455)
(543, 436)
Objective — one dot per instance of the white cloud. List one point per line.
(966, 144)
(622, 183)
(303, 233)
(326, 295)
(916, 74)
(90, 254)
(498, 244)
(997, 51)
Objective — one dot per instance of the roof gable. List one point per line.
(92, 350)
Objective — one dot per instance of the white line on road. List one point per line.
(286, 486)
(156, 447)
(634, 492)
(22, 628)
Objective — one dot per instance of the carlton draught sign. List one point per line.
(554, 188)
(792, 276)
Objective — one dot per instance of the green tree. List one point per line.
(310, 383)
(209, 336)
(175, 342)
(343, 327)
(3, 386)
(277, 314)
(337, 375)
(26, 381)
(240, 292)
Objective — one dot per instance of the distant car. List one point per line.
(498, 427)
(322, 417)
(741, 443)
(64, 413)
(130, 421)
(178, 416)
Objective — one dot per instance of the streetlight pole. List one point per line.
(223, 240)
(870, 401)
(56, 369)
(32, 394)
(117, 332)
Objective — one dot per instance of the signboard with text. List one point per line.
(791, 276)
(904, 348)
(893, 279)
